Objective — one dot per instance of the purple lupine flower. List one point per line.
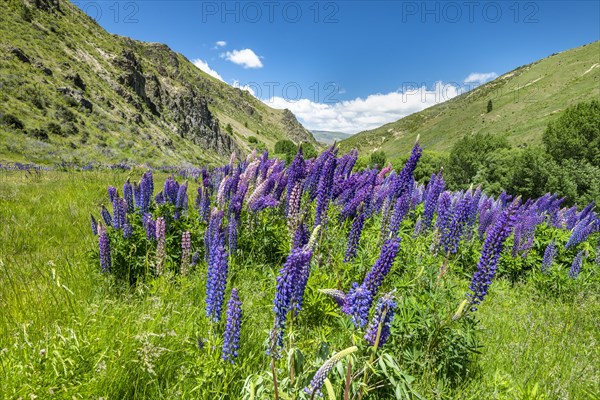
(435, 187)
(146, 191)
(221, 190)
(122, 206)
(487, 218)
(170, 190)
(337, 295)
(451, 236)
(287, 291)
(293, 206)
(472, 213)
(161, 230)
(127, 229)
(181, 202)
(492, 248)
(205, 205)
(137, 195)
(195, 258)
(264, 202)
(116, 220)
(214, 224)
(112, 193)
(525, 232)
(354, 236)
(301, 236)
(549, 254)
(586, 211)
(295, 174)
(300, 287)
(405, 180)
(363, 196)
(316, 384)
(357, 304)
(232, 233)
(218, 268)
(232, 327)
(186, 247)
(128, 195)
(324, 189)
(258, 192)
(444, 212)
(400, 211)
(160, 198)
(150, 227)
(417, 229)
(94, 225)
(581, 231)
(382, 266)
(104, 245)
(384, 315)
(570, 217)
(576, 265)
(106, 216)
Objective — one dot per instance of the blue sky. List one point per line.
(355, 65)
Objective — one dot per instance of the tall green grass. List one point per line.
(67, 331)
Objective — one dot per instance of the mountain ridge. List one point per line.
(79, 92)
(524, 100)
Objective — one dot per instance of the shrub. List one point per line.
(54, 128)
(12, 121)
(377, 158)
(575, 134)
(469, 154)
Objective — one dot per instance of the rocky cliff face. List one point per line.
(294, 129)
(86, 93)
(185, 108)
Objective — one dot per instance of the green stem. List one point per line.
(274, 372)
(292, 347)
(375, 346)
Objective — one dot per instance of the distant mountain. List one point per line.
(328, 137)
(522, 102)
(72, 91)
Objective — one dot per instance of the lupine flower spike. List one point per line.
(232, 327)
(316, 384)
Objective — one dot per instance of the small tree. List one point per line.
(377, 158)
(490, 106)
(575, 134)
(229, 128)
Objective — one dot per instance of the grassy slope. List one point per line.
(68, 43)
(65, 328)
(524, 100)
(329, 137)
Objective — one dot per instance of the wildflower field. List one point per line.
(260, 279)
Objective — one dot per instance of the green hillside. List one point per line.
(72, 91)
(329, 137)
(523, 101)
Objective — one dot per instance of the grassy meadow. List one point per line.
(67, 331)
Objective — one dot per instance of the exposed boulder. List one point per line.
(17, 52)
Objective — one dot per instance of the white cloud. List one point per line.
(247, 88)
(480, 77)
(246, 58)
(360, 114)
(203, 65)
(221, 43)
